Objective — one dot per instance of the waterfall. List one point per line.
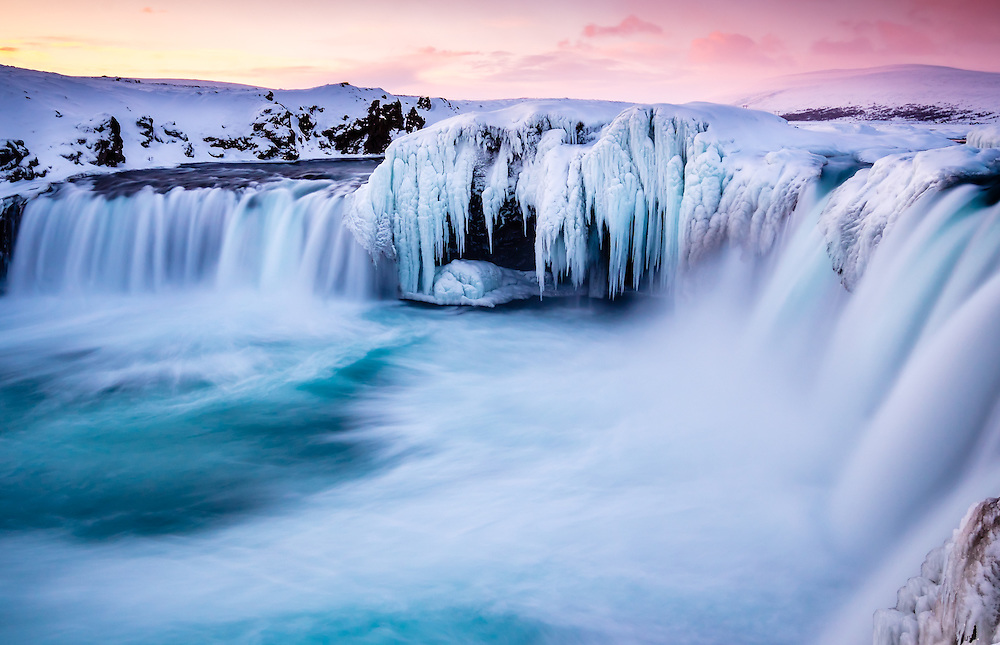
(284, 236)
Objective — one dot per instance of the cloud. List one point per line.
(842, 48)
(720, 48)
(630, 26)
(881, 38)
(902, 39)
(434, 52)
(10, 49)
(961, 20)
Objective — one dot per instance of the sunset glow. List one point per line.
(639, 50)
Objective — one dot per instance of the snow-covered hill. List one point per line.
(899, 92)
(54, 126)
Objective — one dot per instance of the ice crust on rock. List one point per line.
(477, 283)
(865, 208)
(956, 597)
(984, 136)
(658, 187)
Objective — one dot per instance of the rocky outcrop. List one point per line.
(372, 134)
(11, 209)
(956, 597)
(16, 163)
(271, 137)
(99, 143)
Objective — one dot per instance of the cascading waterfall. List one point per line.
(287, 236)
(891, 308)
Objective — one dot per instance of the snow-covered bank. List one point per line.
(984, 136)
(956, 597)
(54, 126)
(639, 193)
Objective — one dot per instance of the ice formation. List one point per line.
(863, 210)
(657, 187)
(984, 136)
(477, 283)
(956, 597)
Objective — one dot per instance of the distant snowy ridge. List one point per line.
(54, 126)
(640, 193)
(899, 92)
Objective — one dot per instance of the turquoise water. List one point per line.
(199, 467)
(215, 427)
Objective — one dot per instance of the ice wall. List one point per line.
(984, 136)
(956, 597)
(867, 206)
(651, 190)
(655, 187)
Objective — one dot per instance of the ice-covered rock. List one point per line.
(648, 189)
(956, 597)
(984, 136)
(477, 283)
(864, 209)
(98, 142)
(16, 162)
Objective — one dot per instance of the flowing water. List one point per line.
(217, 427)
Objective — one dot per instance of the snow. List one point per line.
(660, 187)
(864, 209)
(165, 123)
(956, 597)
(896, 92)
(984, 136)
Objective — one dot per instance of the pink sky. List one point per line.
(634, 50)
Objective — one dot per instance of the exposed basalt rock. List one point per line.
(99, 143)
(909, 112)
(147, 133)
(414, 121)
(11, 209)
(108, 144)
(956, 597)
(170, 129)
(15, 163)
(373, 133)
(274, 124)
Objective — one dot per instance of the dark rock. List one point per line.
(106, 143)
(170, 130)
(414, 121)
(424, 103)
(272, 136)
(12, 154)
(11, 209)
(372, 133)
(15, 163)
(513, 242)
(146, 131)
(908, 112)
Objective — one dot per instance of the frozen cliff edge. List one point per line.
(622, 198)
(984, 136)
(956, 597)
(867, 206)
